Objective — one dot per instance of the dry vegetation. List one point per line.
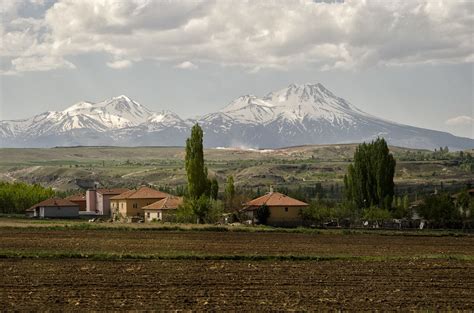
(164, 166)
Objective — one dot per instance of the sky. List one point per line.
(406, 61)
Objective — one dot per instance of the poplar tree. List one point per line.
(214, 189)
(198, 184)
(369, 180)
(229, 191)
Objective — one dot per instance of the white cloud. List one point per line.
(40, 63)
(254, 35)
(119, 64)
(461, 120)
(186, 66)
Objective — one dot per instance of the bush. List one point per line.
(375, 214)
(201, 210)
(321, 211)
(185, 212)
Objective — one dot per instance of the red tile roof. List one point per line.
(76, 198)
(169, 203)
(142, 193)
(112, 191)
(273, 199)
(53, 203)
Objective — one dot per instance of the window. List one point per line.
(286, 209)
(135, 205)
(148, 214)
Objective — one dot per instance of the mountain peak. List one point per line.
(307, 90)
(124, 97)
(78, 106)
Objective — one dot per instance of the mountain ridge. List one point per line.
(294, 115)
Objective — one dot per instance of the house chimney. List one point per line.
(271, 188)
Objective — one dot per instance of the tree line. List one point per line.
(17, 197)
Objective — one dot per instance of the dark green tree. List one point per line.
(229, 192)
(369, 180)
(214, 189)
(198, 183)
(440, 210)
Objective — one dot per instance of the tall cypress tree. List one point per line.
(214, 189)
(229, 191)
(369, 180)
(198, 183)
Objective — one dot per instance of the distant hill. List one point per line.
(295, 115)
(72, 167)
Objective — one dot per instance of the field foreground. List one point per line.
(231, 285)
(117, 269)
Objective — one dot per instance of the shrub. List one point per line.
(201, 210)
(376, 214)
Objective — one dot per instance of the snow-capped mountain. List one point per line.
(311, 114)
(114, 113)
(295, 115)
(294, 103)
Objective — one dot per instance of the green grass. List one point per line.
(56, 225)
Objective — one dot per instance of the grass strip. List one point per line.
(218, 257)
(244, 229)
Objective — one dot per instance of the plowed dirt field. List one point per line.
(234, 285)
(229, 243)
(360, 272)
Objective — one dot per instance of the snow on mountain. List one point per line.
(98, 120)
(250, 109)
(165, 119)
(294, 103)
(310, 114)
(295, 115)
(113, 113)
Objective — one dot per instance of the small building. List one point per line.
(79, 199)
(162, 209)
(98, 200)
(54, 208)
(130, 203)
(284, 210)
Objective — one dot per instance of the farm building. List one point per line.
(284, 210)
(130, 203)
(98, 200)
(54, 208)
(80, 200)
(162, 208)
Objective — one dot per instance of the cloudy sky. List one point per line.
(408, 61)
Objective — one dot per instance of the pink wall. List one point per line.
(91, 203)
